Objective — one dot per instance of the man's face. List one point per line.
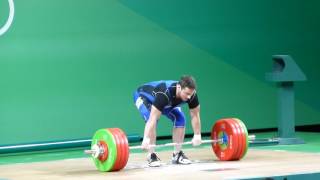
(186, 93)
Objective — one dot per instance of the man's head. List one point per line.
(186, 87)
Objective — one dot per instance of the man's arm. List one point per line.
(196, 125)
(150, 128)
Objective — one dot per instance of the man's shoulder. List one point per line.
(161, 83)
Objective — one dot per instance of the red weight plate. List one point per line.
(244, 134)
(236, 129)
(104, 155)
(119, 149)
(122, 144)
(126, 148)
(241, 139)
(224, 151)
(122, 147)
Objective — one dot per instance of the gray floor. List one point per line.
(257, 163)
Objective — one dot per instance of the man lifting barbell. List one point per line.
(110, 147)
(166, 97)
(229, 136)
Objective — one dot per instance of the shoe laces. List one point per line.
(181, 154)
(154, 157)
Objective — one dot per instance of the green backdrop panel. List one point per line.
(68, 68)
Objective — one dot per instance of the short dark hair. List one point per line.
(187, 81)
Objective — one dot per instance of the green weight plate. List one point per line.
(106, 136)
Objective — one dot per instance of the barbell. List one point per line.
(110, 148)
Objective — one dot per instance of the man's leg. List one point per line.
(178, 119)
(152, 158)
(144, 108)
(152, 138)
(178, 137)
(178, 132)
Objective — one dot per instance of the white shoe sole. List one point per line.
(155, 164)
(174, 161)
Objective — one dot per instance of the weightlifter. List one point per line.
(165, 98)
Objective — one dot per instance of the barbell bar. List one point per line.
(208, 141)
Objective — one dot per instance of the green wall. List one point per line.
(69, 67)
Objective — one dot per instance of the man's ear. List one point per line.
(178, 86)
